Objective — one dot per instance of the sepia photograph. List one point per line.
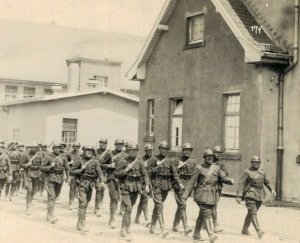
(156, 121)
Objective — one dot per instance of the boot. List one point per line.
(79, 222)
(153, 223)
(138, 214)
(217, 228)
(113, 223)
(247, 223)
(84, 227)
(176, 221)
(145, 210)
(198, 226)
(48, 214)
(163, 230)
(53, 219)
(255, 223)
(187, 229)
(209, 231)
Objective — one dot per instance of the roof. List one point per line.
(72, 95)
(31, 82)
(257, 41)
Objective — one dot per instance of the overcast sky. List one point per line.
(134, 17)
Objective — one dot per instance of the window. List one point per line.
(69, 131)
(16, 134)
(151, 108)
(11, 92)
(102, 81)
(48, 91)
(29, 92)
(232, 122)
(176, 122)
(195, 30)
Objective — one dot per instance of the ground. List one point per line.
(280, 224)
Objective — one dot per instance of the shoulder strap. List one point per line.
(102, 155)
(160, 162)
(181, 164)
(209, 173)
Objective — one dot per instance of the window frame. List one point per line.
(10, 94)
(65, 130)
(26, 89)
(47, 90)
(178, 138)
(150, 116)
(197, 43)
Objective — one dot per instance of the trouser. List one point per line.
(253, 207)
(114, 194)
(128, 199)
(85, 195)
(181, 209)
(159, 196)
(19, 183)
(214, 214)
(203, 218)
(53, 190)
(2, 184)
(73, 190)
(32, 188)
(12, 186)
(99, 197)
(41, 184)
(143, 206)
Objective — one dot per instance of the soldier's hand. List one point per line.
(129, 167)
(112, 165)
(274, 193)
(232, 181)
(181, 186)
(83, 167)
(238, 200)
(52, 164)
(147, 189)
(9, 178)
(29, 163)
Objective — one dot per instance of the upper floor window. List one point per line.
(176, 122)
(232, 122)
(151, 107)
(102, 81)
(11, 92)
(48, 91)
(195, 29)
(29, 92)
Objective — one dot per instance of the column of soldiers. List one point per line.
(127, 175)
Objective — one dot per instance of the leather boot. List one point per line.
(84, 227)
(79, 222)
(138, 213)
(163, 230)
(53, 219)
(153, 224)
(187, 229)
(198, 226)
(145, 210)
(217, 228)
(247, 223)
(211, 235)
(255, 223)
(48, 214)
(176, 221)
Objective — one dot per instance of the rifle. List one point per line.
(50, 144)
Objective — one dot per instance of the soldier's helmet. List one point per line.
(208, 152)
(34, 146)
(44, 145)
(126, 144)
(103, 140)
(255, 158)
(88, 147)
(20, 145)
(63, 143)
(147, 147)
(187, 146)
(2, 145)
(76, 144)
(56, 145)
(13, 142)
(132, 146)
(39, 143)
(163, 144)
(119, 141)
(2, 141)
(217, 149)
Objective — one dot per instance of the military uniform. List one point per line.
(185, 167)
(143, 204)
(54, 179)
(15, 157)
(42, 181)
(131, 185)
(5, 170)
(112, 183)
(102, 155)
(251, 189)
(74, 180)
(161, 172)
(90, 178)
(204, 181)
(31, 164)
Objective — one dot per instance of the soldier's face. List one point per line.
(132, 153)
(56, 150)
(255, 164)
(217, 155)
(76, 148)
(14, 146)
(1, 150)
(209, 159)
(102, 145)
(21, 149)
(119, 146)
(33, 150)
(163, 151)
(44, 148)
(148, 153)
(88, 153)
(187, 152)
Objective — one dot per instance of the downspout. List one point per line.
(280, 148)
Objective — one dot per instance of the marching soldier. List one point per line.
(31, 164)
(185, 166)
(44, 153)
(14, 156)
(88, 170)
(109, 166)
(143, 204)
(204, 179)
(131, 174)
(251, 189)
(217, 152)
(21, 149)
(102, 155)
(161, 170)
(73, 182)
(54, 166)
(5, 168)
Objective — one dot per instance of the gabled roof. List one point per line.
(71, 95)
(257, 42)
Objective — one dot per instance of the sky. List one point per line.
(134, 17)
